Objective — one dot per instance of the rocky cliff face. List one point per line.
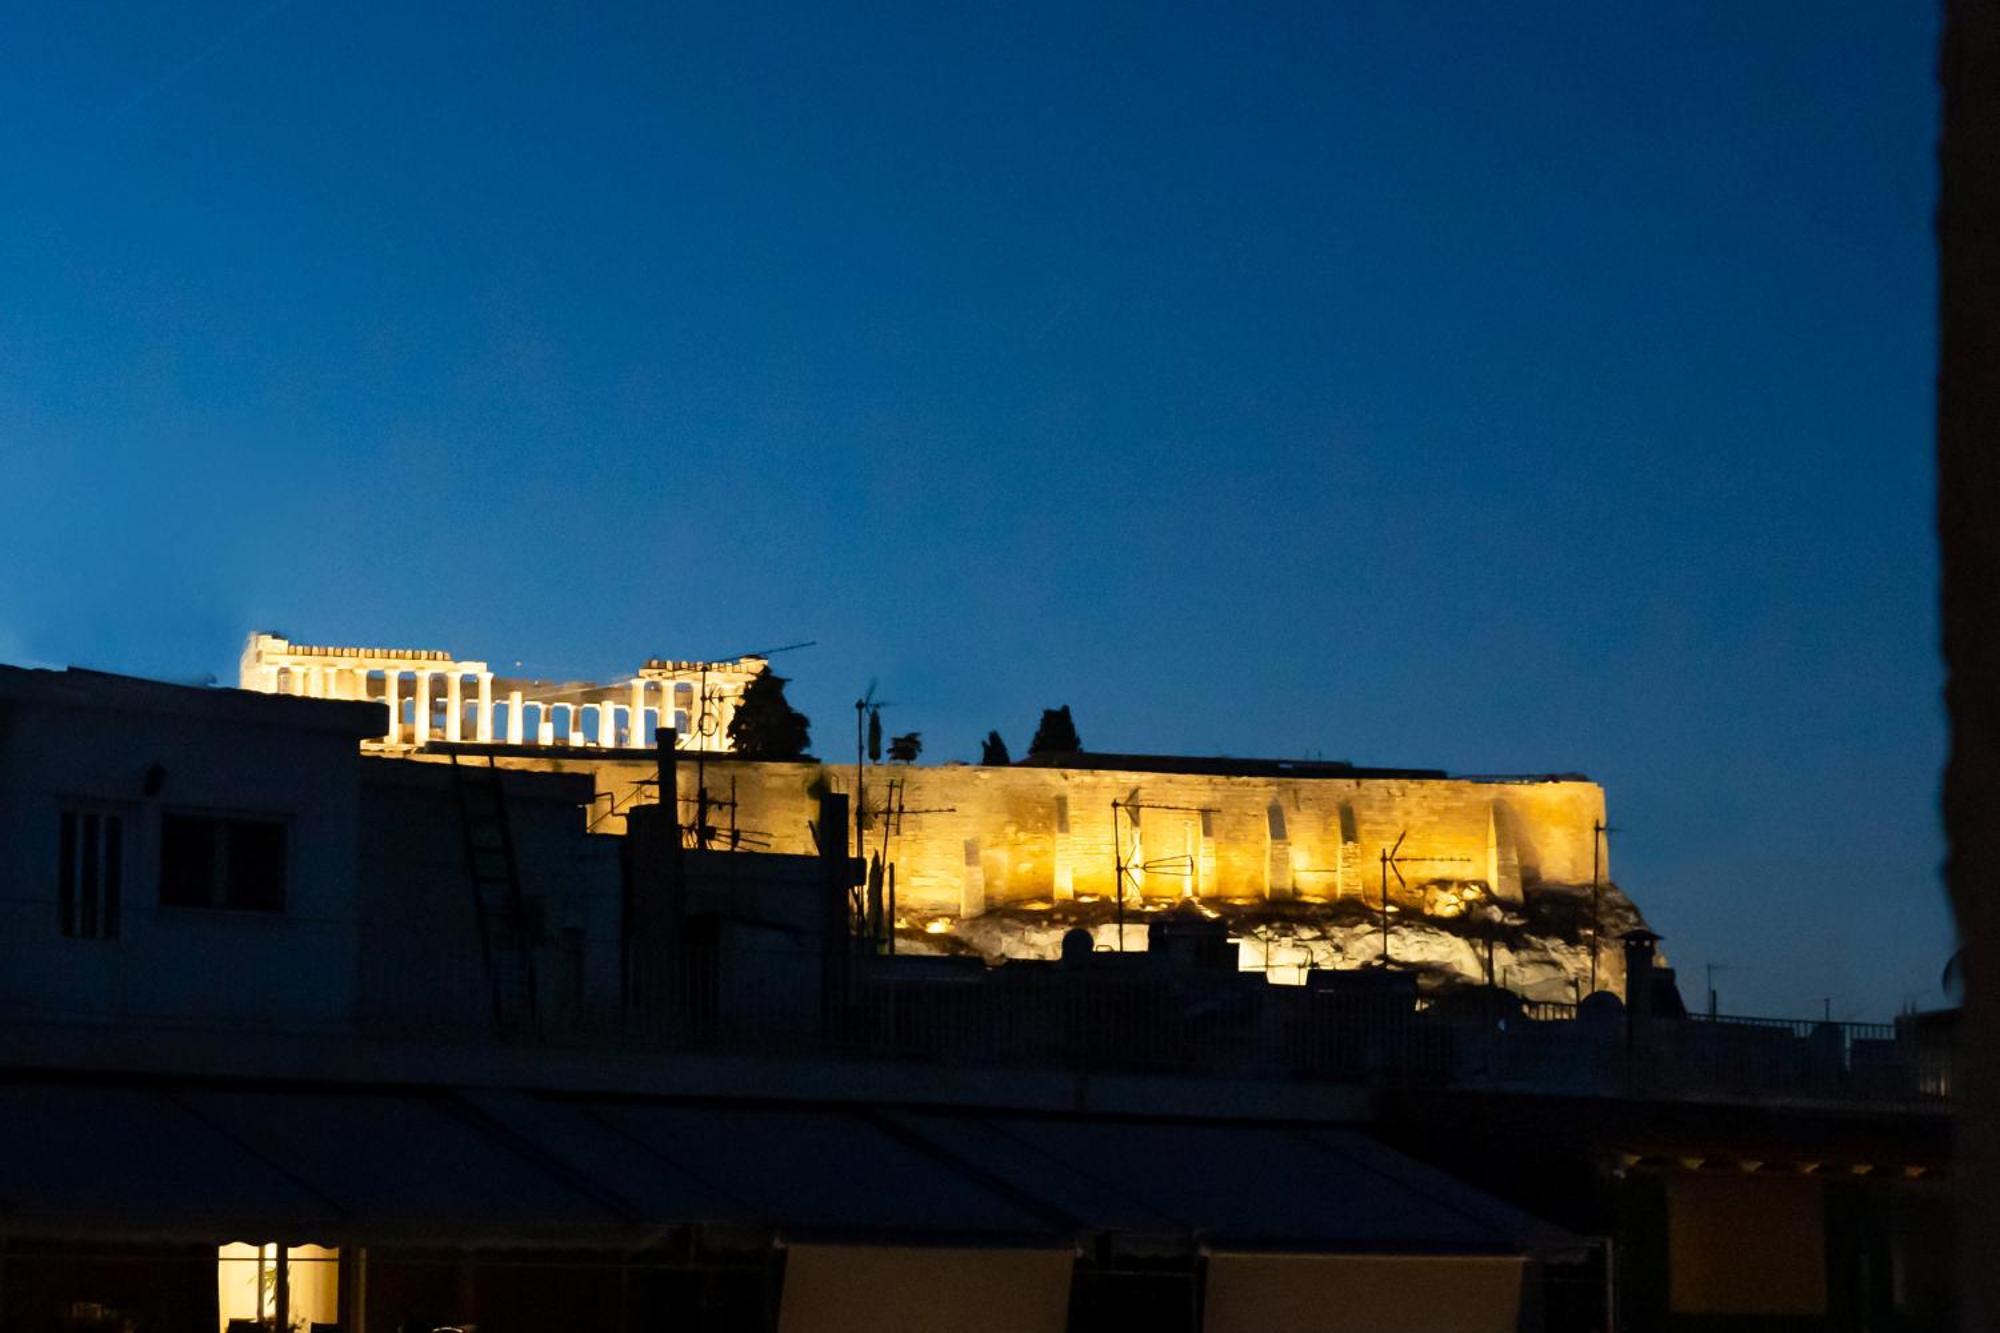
(1540, 948)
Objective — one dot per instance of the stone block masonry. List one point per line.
(1048, 834)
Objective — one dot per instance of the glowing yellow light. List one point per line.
(937, 927)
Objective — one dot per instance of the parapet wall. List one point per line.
(972, 837)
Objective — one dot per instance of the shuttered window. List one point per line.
(90, 873)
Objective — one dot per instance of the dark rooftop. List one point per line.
(78, 687)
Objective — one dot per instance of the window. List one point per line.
(90, 872)
(211, 862)
(255, 1289)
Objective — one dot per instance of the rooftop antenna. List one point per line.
(706, 725)
(1600, 833)
(881, 915)
(1712, 969)
(1392, 862)
(867, 745)
(1123, 867)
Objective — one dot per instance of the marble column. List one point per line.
(573, 732)
(482, 722)
(392, 694)
(423, 728)
(514, 717)
(636, 735)
(454, 704)
(545, 724)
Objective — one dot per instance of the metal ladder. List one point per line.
(505, 939)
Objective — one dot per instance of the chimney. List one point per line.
(665, 747)
(836, 878)
(1640, 951)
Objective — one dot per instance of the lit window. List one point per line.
(90, 873)
(229, 863)
(255, 1290)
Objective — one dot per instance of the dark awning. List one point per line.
(343, 1164)
(826, 1173)
(1239, 1184)
(100, 1159)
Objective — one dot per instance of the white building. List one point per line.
(181, 858)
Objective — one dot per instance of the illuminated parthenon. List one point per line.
(432, 697)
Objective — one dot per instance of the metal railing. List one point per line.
(1123, 1015)
(1225, 1025)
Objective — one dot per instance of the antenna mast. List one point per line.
(1121, 868)
(1392, 862)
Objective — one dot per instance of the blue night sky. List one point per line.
(1516, 387)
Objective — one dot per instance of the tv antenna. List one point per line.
(706, 725)
(1393, 862)
(867, 746)
(1712, 969)
(1124, 867)
(878, 913)
(1600, 836)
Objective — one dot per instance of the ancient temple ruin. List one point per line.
(430, 695)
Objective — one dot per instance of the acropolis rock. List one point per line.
(1496, 879)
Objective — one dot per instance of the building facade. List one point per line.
(266, 1062)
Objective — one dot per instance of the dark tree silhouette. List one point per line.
(766, 726)
(1056, 734)
(993, 751)
(904, 749)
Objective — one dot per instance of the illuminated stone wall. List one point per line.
(976, 837)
